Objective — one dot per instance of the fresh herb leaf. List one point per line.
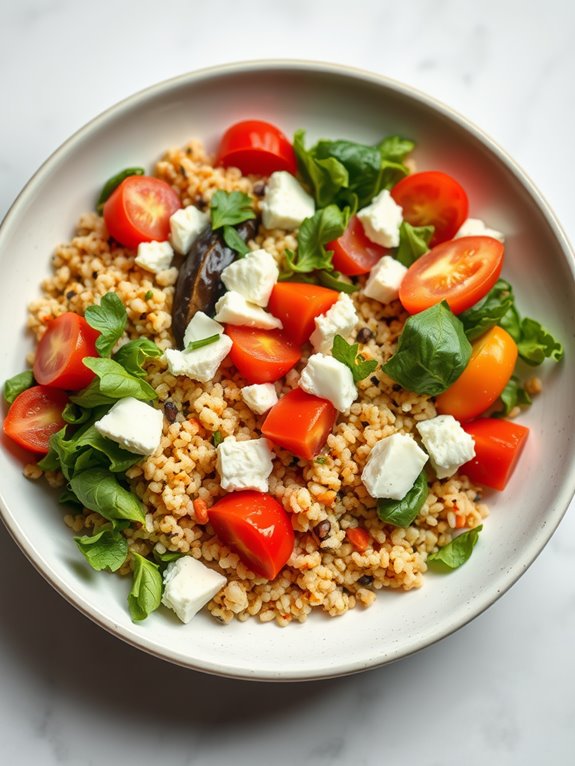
(69, 499)
(321, 460)
(324, 178)
(455, 553)
(114, 382)
(413, 242)
(149, 295)
(489, 311)
(217, 438)
(402, 512)
(195, 344)
(99, 490)
(363, 164)
(536, 343)
(16, 384)
(118, 459)
(167, 557)
(91, 396)
(395, 148)
(333, 281)
(230, 208)
(134, 354)
(348, 354)
(74, 414)
(107, 549)
(432, 353)
(110, 319)
(511, 321)
(513, 395)
(234, 241)
(315, 232)
(113, 183)
(146, 593)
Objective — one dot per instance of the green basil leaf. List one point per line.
(194, 344)
(230, 208)
(513, 395)
(114, 383)
(363, 164)
(333, 281)
(99, 490)
(91, 397)
(395, 148)
(118, 459)
(348, 354)
(324, 178)
(167, 557)
(234, 241)
(75, 415)
(536, 343)
(315, 232)
(432, 353)
(455, 553)
(489, 311)
(413, 242)
(107, 549)
(112, 184)
(18, 383)
(146, 593)
(69, 499)
(401, 513)
(134, 354)
(511, 321)
(109, 318)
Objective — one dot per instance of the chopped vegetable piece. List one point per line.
(34, 416)
(359, 538)
(256, 147)
(68, 340)
(498, 446)
(300, 423)
(353, 252)
(194, 344)
(262, 356)
(297, 305)
(113, 183)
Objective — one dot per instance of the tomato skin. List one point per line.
(297, 304)
(139, 210)
(256, 147)
(61, 350)
(300, 423)
(461, 272)
(353, 252)
(492, 361)
(432, 198)
(261, 356)
(34, 415)
(257, 527)
(498, 446)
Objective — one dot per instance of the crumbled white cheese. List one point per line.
(385, 280)
(392, 467)
(286, 203)
(134, 425)
(253, 276)
(381, 220)
(475, 227)
(154, 256)
(260, 397)
(245, 464)
(200, 363)
(448, 445)
(186, 225)
(234, 309)
(339, 319)
(189, 585)
(330, 379)
(201, 326)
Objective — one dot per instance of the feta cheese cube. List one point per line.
(330, 379)
(392, 467)
(201, 326)
(154, 256)
(286, 203)
(186, 225)
(339, 319)
(475, 227)
(234, 309)
(189, 585)
(260, 397)
(244, 465)
(381, 220)
(253, 276)
(134, 425)
(448, 445)
(385, 280)
(201, 363)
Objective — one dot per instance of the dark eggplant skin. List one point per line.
(199, 285)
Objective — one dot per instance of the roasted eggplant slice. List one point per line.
(199, 286)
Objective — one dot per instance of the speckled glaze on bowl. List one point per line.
(336, 102)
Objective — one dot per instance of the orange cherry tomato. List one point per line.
(300, 423)
(139, 210)
(34, 416)
(297, 304)
(262, 356)
(68, 340)
(353, 252)
(434, 199)
(498, 445)
(460, 272)
(493, 358)
(256, 147)
(257, 527)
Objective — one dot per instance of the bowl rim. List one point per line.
(564, 493)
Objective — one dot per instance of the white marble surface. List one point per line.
(500, 691)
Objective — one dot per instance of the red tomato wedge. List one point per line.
(300, 423)
(61, 351)
(353, 252)
(256, 147)
(498, 446)
(434, 199)
(257, 527)
(34, 416)
(262, 356)
(297, 304)
(139, 210)
(461, 272)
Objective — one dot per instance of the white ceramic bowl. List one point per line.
(340, 103)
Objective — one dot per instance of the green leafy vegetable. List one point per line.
(113, 183)
(98, 490)
(513, 395)
(234, 241)
(315, 232)
(146, 593)
(134, 354)
(16, 384)
(536, 343)
(489, 311)
(217, 438)
(110, 319)
(107, 549)
(167, 557)
(348, 354)
(69, 499)
(230, 208)
(114, 382)
(333, 281)
(195, 344)
(75, 415)
(323, 177)
(413, 242)
(432, 353)
(395, 148)
(455, 553)
(401, 513)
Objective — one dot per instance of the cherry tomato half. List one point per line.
(297, 304)
(300, 423)
(61, 351)
(256, 147)
(498, 445)
(257, 527)
(434, 199)
(262, 356)
(139, 210)
(461, 272)
(353, 252)
(493, 358)
(34, 416)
